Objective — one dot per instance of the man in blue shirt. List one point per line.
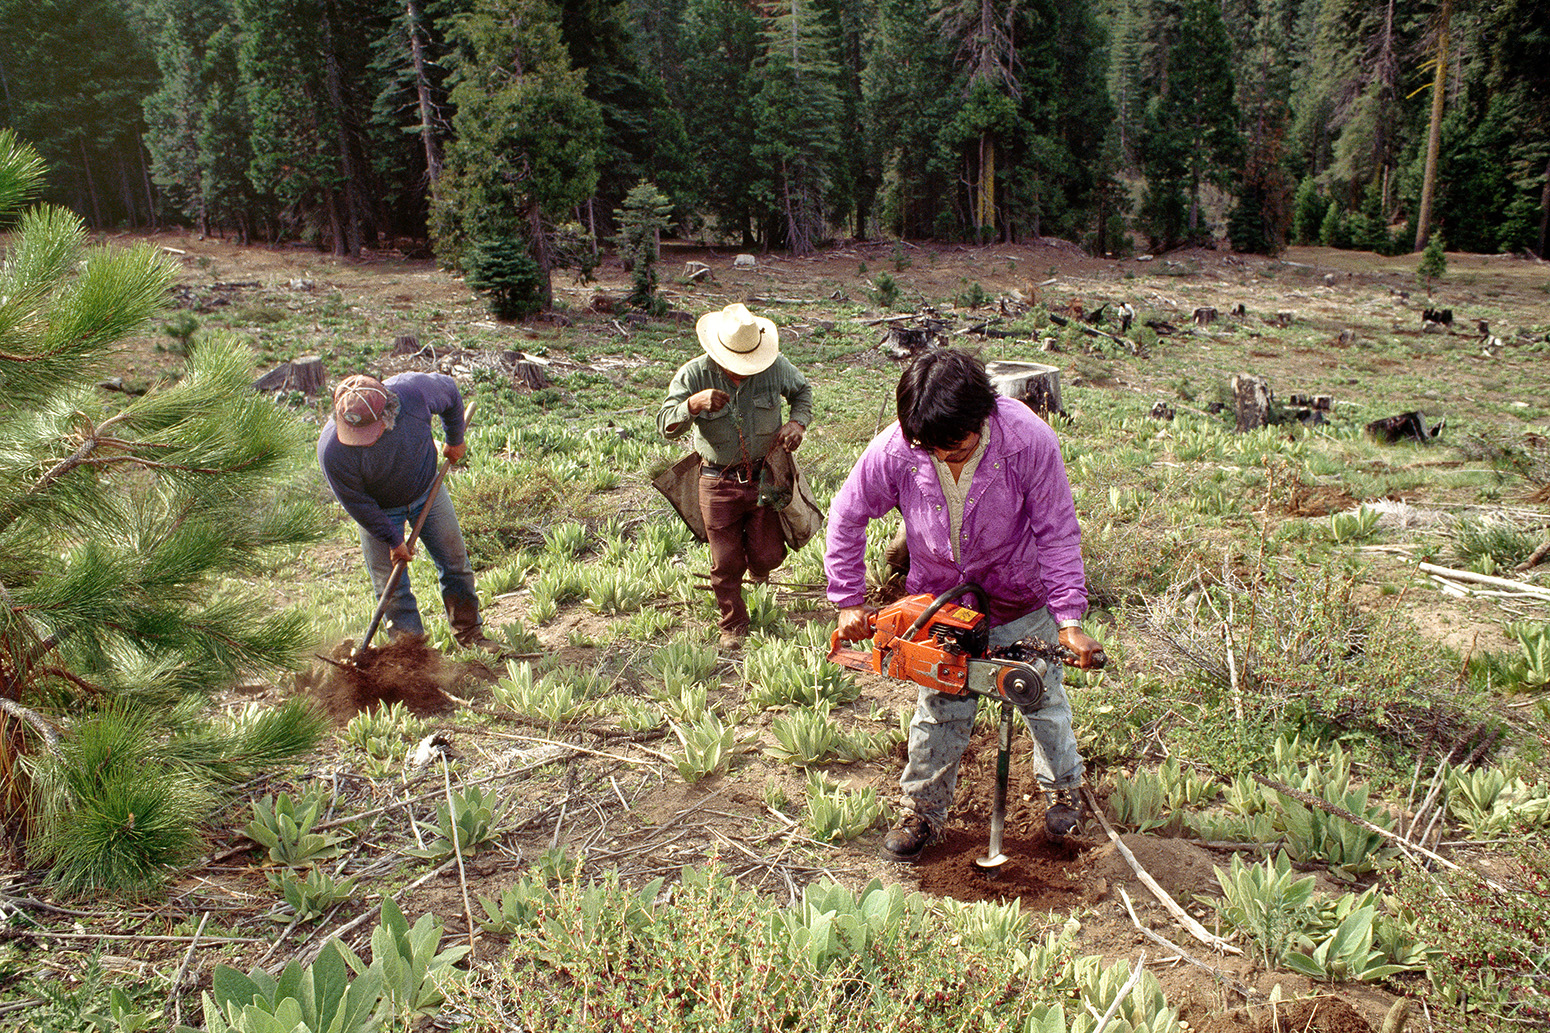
(378, 454)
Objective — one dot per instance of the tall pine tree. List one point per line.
(528, 139)
(797, 112)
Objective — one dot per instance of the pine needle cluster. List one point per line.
(123, 520)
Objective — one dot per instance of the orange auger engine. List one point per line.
(942, 645)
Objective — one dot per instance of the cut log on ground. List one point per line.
(1205, 316)
(305, 374)
(1407, 426)
(1251, 400)
(903, 342)
(1092, 331)
(1033, 383)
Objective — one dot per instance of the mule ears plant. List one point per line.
(120, 523)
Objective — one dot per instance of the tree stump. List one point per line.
(1251, 399)
(1240, 310)
(305, 374)
(406, 344)
(1033, 383)
(1161, 410)
(694, 272)
(1283, 318)
(531, 374)
(1205, 316)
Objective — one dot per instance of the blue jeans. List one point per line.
(443, 539)
(940, 730)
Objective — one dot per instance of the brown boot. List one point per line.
(907, 840)
(1063, 812)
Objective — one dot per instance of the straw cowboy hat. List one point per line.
(738, 341)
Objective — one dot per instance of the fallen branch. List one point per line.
(1124, 992)
(1193, 927)
(1485, 579)
(338, 934)
(175, 998)
(1536, 557)
(1404, 844)
(1093, 331)
(457, 849)
(1246, 992)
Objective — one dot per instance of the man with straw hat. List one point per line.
(731, 396)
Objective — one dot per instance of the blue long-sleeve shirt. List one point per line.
(401, 465)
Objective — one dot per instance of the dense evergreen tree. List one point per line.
(782, 122)
(986, 34)
(1262, 217)
(719, 86)
(198, 121)
(797, 139)
(73, 74)
(1056, 159)
(304, 66)
(1192, 126)
(907, 92)
(527, 138)
(643, 134)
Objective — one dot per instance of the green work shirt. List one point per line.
(744, 428)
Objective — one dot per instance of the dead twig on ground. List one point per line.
(174, 998)
(362, 918)
(1536, 557)
(1246, 992)
(1193, 927)
(457, 848)
(1404, 844)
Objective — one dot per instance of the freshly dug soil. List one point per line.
(406, 671)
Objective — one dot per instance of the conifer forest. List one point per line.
(1121, 125)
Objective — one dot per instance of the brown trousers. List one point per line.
(744, 538)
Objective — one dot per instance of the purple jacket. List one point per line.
(1020, 538)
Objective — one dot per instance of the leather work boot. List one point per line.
(476, 639)
(1063, 811)
(732, 641)
(907, 840)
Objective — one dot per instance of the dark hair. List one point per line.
(943, 397)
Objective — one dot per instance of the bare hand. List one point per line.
(401, 553)
(1088, 650)
(708, 400)
(855, 623)
(790, 436)
(454, 453)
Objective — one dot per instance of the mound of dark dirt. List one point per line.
(1322, 1014)
(1043, 875)
(406, 671)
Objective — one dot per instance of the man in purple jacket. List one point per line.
(378, 454)
(982, 489)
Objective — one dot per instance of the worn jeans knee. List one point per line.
(442, 539)
(940, 730)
